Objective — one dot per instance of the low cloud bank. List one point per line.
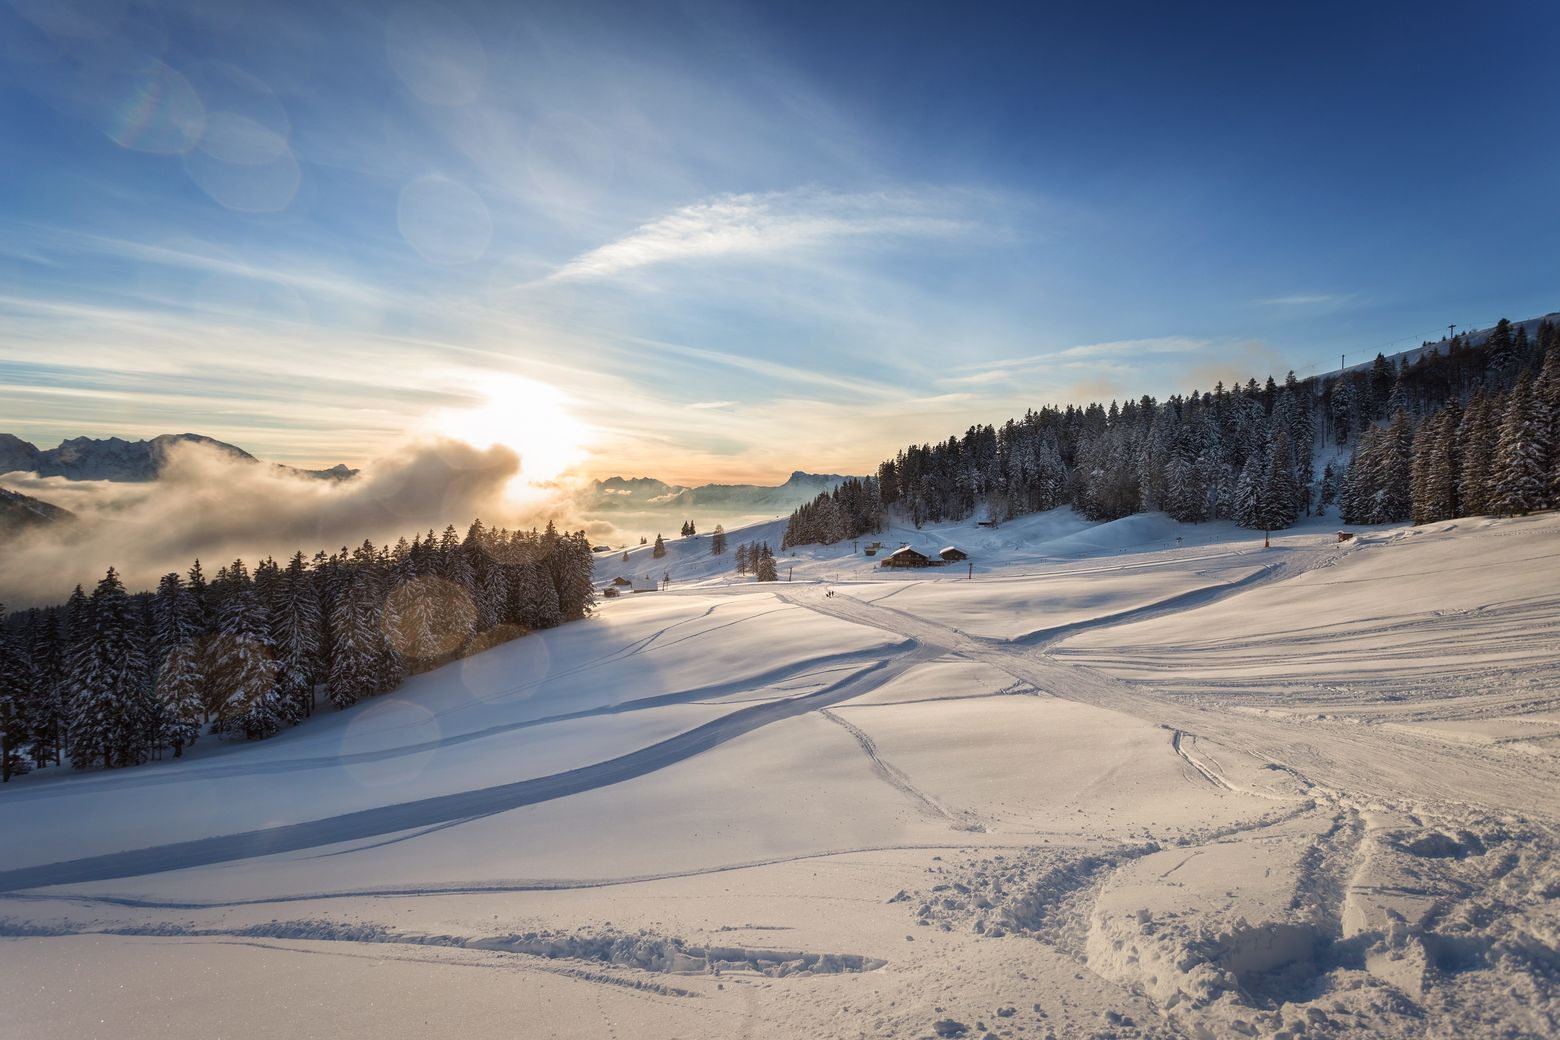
(209, 506)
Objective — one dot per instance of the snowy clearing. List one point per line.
(1115, 785)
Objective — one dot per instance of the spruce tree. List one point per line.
(1546, 399)
(492, 596)
(354, 658)
(1394, 501)
(109, 681)
(660, 548)
(179, 694)
(717, 541)
(536, 597)
(1248, 492)
(50, 716)
(1521, 478)
(764, 568)
(17, 691)
(244, 665)
(574, 576)
(1475, 475)
(295, 628)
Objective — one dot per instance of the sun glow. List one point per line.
(529, 417)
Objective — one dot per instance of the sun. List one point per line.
(531, 418)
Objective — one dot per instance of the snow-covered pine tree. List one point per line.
(1340, 410)
(1358, 493)
(244, 666)
(536, 597)
(492, 596)
(1280, 493)
(764, 568)
(1446, 460)
(200, 601)
(1500, 359)
(1395, 463)
(295, 632)
(108, 679)
(1521, 478)
(412, 610)
(46, 651)
(574, 575)
(354, 658)
(1546, 396)
(1248, 489)
(175, 619)
(327, 574)
(1477, 438)
(180, 683)
(660, 548)
(176, 640)
(389, 668)
(455, 566)
(1419, 480)
(1329, 490)
(18, 688)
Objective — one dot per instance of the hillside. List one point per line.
(19, 511)
(1137, 777)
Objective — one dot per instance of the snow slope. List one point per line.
(1132, 779)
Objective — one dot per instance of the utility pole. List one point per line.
(1341, 365)
(972, 572)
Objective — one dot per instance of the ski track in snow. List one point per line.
(464, 805)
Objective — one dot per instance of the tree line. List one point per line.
(116, 679)
(1499, 454)
(1247, 453)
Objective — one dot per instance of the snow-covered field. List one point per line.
(1131, 779)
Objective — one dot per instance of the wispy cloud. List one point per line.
(1134, 347)
(1072, 357)
(764, 224)
(1306, 300)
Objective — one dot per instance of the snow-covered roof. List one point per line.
(905, 549)
(949, 549)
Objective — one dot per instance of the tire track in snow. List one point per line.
(462, 805)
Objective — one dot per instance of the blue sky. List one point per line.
(723, 242)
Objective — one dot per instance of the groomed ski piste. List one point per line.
(1134, 779)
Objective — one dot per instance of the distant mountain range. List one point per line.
(19, 511)
(640, 493)
(116, 459)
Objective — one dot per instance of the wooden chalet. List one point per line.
(904, 556)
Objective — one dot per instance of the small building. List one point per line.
(904, 556)
(646, 585)
(953, 554)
